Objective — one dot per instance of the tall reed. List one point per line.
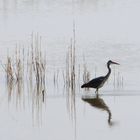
(71, 77)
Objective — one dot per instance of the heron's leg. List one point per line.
(96, 91)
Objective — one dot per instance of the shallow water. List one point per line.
(89, 121)
(102, 30)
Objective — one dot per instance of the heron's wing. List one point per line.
(95, 82)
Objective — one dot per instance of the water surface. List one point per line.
(99, 30)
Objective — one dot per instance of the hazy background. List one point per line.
(103, 30)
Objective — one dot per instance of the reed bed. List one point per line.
(26, 70)
(14, 75)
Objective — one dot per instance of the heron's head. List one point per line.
(112, 62)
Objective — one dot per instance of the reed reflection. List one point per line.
(71, 104)
(99, 103)
(37, 93)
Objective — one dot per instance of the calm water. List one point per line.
(102, 30)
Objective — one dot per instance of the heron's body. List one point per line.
(95, 83)
(99, 81)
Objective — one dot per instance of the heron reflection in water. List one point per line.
(100, 104)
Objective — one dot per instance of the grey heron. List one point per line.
(99, 81)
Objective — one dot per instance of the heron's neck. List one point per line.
(109, 71)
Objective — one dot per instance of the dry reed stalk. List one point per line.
(9, 69)
(36, 60)
(118, 80)
(86, 74)
(70, 79)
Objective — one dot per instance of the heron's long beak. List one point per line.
(115, 63)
